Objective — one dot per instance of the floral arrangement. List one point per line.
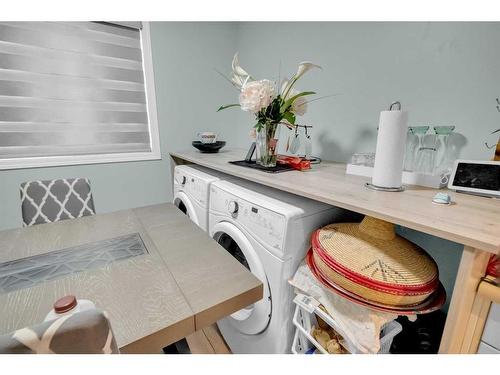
(270, 105)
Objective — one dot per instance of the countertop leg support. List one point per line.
(472, 268)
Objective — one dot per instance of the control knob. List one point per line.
(233, 207)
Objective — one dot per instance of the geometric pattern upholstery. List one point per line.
(48, 201)
(86, 332)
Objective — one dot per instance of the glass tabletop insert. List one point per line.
(26, 272)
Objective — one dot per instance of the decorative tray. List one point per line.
(252, 164)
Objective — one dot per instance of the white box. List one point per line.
(409, 178)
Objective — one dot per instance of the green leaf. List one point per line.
(227, 106)
(290, 101)
(290, 117)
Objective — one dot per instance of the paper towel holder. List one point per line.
(369, 185)
(398, 104)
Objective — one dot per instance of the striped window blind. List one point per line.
(72, 88)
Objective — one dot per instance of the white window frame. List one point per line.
(154, 136)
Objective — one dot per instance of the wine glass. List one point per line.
(426, 153)
(412, 142)
(419, 131)
(443, 163)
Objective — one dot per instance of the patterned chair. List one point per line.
(53, 200)
(86, 332)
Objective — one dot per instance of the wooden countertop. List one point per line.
(471, 220)
(185, 282)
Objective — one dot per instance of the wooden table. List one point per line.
(184, 283)
(472, 221)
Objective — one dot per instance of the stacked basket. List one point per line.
(369, 264)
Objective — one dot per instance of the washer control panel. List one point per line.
(266, 225)
(192, 186)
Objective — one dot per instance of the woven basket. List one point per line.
(371, 261)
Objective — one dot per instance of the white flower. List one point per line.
(299, 105)
(237, 81)
(237, 69)
(284, 85)
(304, 67)
(239, 76)
(256, 95)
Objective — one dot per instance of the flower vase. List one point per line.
(266, 143)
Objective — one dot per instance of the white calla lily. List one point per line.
(299, 105)
(305, 67)
(237, 69)
(237, 81)
(284, 85)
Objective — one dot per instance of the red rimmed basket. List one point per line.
(434, 302)
(369, 260)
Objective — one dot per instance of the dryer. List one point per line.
(268, 231)
(192, 191)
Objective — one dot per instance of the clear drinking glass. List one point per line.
(426, 154)
(419, 131)
(412, 143)
(443, 162)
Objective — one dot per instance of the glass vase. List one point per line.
(266, 143)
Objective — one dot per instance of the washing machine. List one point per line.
(268, 231)
(192, 191)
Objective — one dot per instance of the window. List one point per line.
(76, 93)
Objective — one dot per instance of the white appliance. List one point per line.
(268, 231)
(192, 191)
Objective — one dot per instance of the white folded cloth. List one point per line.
(360, 324)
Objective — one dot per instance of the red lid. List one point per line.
(493, 268)
(65, 304)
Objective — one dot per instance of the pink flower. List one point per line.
(256, 95)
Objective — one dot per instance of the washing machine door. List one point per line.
(182, 201)
(255, 318)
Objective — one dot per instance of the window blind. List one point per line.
(71, 88)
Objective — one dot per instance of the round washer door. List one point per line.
(184, 204)
(255, 318)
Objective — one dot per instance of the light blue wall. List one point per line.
(443, 73)
(188, 91)
(446, 254)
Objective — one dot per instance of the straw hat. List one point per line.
(371, 261)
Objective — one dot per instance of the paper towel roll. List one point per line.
(391, 144)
